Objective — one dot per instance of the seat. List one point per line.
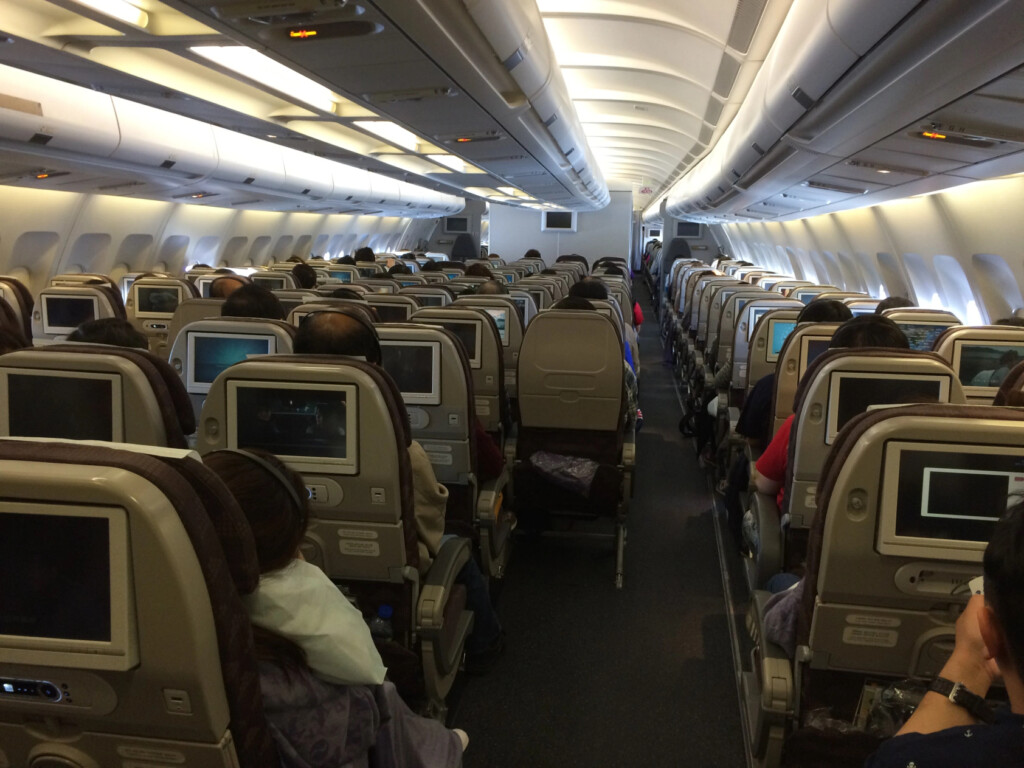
(837, 386)
(168, 672)
(432, 372)
(189, 311)
(392, 309)
(752, 343)
(379, 285)
(921, 326)
(429, 295)
(151, 304)
(464, 248)
(982, 356)
(892, 546)
(132, 395)
(525, 304)
(20, 298)
(63, 308)
(572, 401)
(206, 347)
(503, 311)
(342, 424)
(804, 343)
(274, 280)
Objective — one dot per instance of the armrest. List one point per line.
(437, 585)
(490, 497)
(768, 557)
(776, 672)
(629, 449)
(734, 418)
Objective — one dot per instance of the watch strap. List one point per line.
(960, 695)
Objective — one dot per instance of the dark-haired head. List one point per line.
(869, 331)
(305, 275)
(252, 301)
(364, 254)
(572, 302)
(614, 269)
(479, 270)
(432, 266)
(533, 253)
(337, 333)
(345, 260)
(1013, 322)
(824, 311)
(399, 269)
(109, 330)
(893, 302)
(589, 288)
(347, 293)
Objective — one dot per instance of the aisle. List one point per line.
(602, 678)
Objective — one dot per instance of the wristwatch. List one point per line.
(962, 697)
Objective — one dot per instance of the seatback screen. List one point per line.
(60, 406)
(55, 572)
(429, 301)
(815, 349)
(215, 353)
(413, 366)
(156, 299)
(780, 332)
(922, 336)
(292, 422)
(466, 333)
(392, 313)
(986, 365)
(69, 311)
(345, 277)
(270, 282)
(857, 392)
(500, 317)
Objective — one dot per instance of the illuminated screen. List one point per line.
(65, 313)
(204, 287)
(156, 300)
(805, 297)
(56, 575)
(521, 303)
(429, 301)
(986, 365)
(415, 367)
(858, 311)
(209, 354)
(853, 393)
(500, 317)
(293, 422)
(367, 271)
(392, 313)
(344, 276)
(756, 314)
(453, 275)
(407, 283)
(61, 406)
(954, 496)
(922, 336)
(779, 333)
(466, 333)
(509, 277)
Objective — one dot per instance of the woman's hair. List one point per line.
(277, 515)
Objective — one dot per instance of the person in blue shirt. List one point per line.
(954, 728)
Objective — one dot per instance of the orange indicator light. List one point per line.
(301, 33)
(933, 135)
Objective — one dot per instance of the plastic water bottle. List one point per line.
(380, 625)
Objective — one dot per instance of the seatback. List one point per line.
(274, 280)
(921, 326)
(861, 306)
(474, 327)
(20, 298)
(429, 295)
(841, 384)
(543, 295)
(368, 313)
(189, 311)
(982, 356)
(151, 304)
(510, 329)
(525, 304)
(722, 324)
(785, 286)
(807, 293)
(802, 346)
(61, 309)
(752, 343)
(379, 285)
(700, 301)
(571, 394)
(361, 520)
(906, 505)
(132, 396)
(392, 309)
(206, 347)
(345, 273)
(707, 301)
(169, 671)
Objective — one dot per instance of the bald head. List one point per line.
(223, 287)
(337, 333)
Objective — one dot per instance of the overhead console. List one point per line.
(867, 101)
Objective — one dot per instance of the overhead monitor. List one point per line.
(811, 348)
(53, 404)
(778, 332)
(391, 313)
(654, 233)
(156, 301)
(922, 335)
(415, 367)
(311, 426)
(208, 353)
(67, 599)
(62, 314)
(851, 393)
(558, 221)
(982, 365)
(455, 225)
(270, 281)
(691, 230)
(500, 317)
(468, 334)
(940, 501)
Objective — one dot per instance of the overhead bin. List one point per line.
(242, 159)
(164, 140)
(306, 175)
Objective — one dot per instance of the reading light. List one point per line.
(120, 10)
(262, 69)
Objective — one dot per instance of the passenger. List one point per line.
(989, 645)
(336, 333)
(223, 287)
(252, 301)
(399, 269)
(305, 275)
(347, 260)
(533, 253)
(479, 270)
(114, 331)
(633, 417)
(315, 651)
(492, 288)
(432, 266)
(364, 254)
(893, 302)
(638, 314)
(1013, 322)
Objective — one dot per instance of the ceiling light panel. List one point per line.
(255, 66)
